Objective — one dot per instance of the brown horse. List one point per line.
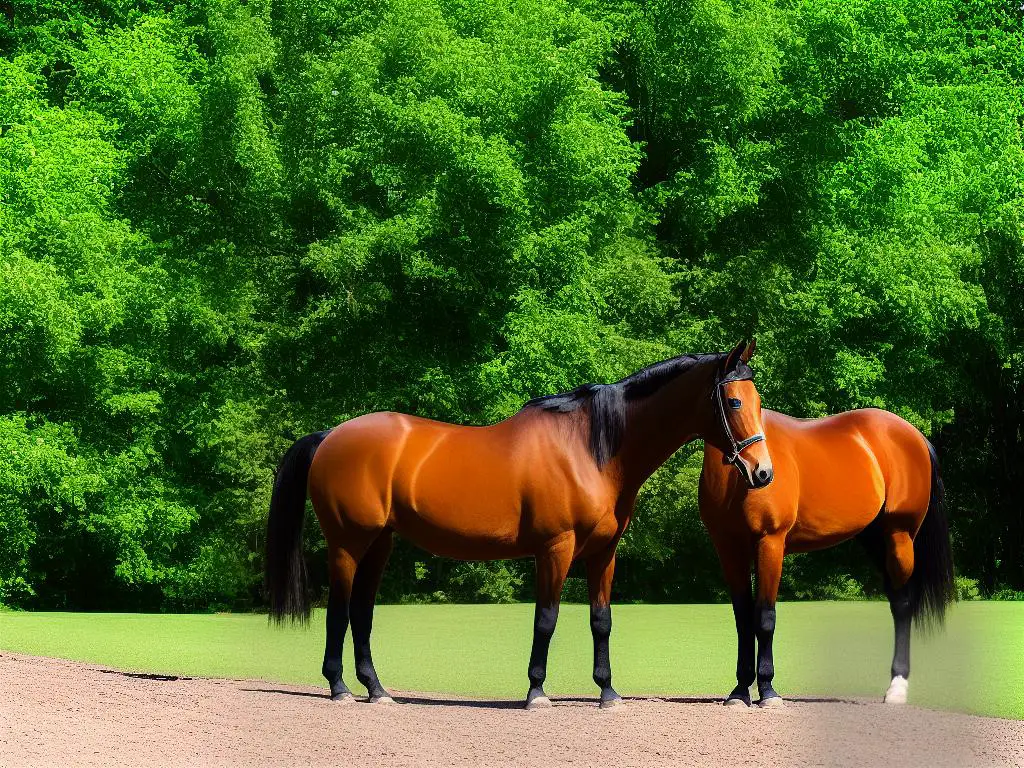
(557, 482)
(865, 473)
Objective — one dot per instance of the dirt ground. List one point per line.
(55, 712)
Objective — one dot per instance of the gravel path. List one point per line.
(55, 712)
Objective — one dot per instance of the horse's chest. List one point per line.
(760, 515)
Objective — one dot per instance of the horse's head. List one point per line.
(740, 434)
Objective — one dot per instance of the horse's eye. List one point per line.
(734, 402)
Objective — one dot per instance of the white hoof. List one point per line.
(541, 702)
(345, 698)
(897, 693)
(612, 704)
(773, 703)
(381, 700)
(735, 703)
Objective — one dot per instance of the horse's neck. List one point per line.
(660, 424)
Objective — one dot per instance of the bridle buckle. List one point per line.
(734, 457)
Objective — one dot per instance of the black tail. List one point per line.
(932, 586)
(285, 580)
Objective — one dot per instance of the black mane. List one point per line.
(607, 402)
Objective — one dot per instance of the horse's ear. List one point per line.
(733, 358)
(749, 351)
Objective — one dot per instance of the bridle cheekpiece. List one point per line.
(742, 372)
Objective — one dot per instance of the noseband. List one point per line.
(737, 446)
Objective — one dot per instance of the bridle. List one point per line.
(737, 446)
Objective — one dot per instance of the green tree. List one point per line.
(224, 223)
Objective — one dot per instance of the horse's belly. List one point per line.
(806, 536)
(837, 501)
(468, 526)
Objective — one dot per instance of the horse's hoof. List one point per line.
(897, 693)
(773, 703)
(541, 702)
(736, 702)
(612, 704)
(343, 698)
(385, 699)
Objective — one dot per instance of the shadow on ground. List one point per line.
(440, 701)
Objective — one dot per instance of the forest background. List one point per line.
(224, 224)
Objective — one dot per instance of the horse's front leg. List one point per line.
(770, 550)
(600, 570)
(736, 560)
(552, 568)
(743, 614)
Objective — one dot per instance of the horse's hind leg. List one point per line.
(600, 569)
(552, 568)
(893, 553)
(899, 565)
(364, 593)
(342, 567)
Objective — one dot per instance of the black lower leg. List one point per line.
(900, 605)
(765, 629)
(601, 628)
(544, 620)
(743, 613)
(364, 594)
(361, 613)
(337, 624)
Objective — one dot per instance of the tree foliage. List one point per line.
(223, 223)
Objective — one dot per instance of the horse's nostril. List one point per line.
(764, 476)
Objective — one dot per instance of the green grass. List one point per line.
(834, 649)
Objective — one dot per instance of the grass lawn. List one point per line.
(975, 665)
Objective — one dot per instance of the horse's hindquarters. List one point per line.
(348, 479)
